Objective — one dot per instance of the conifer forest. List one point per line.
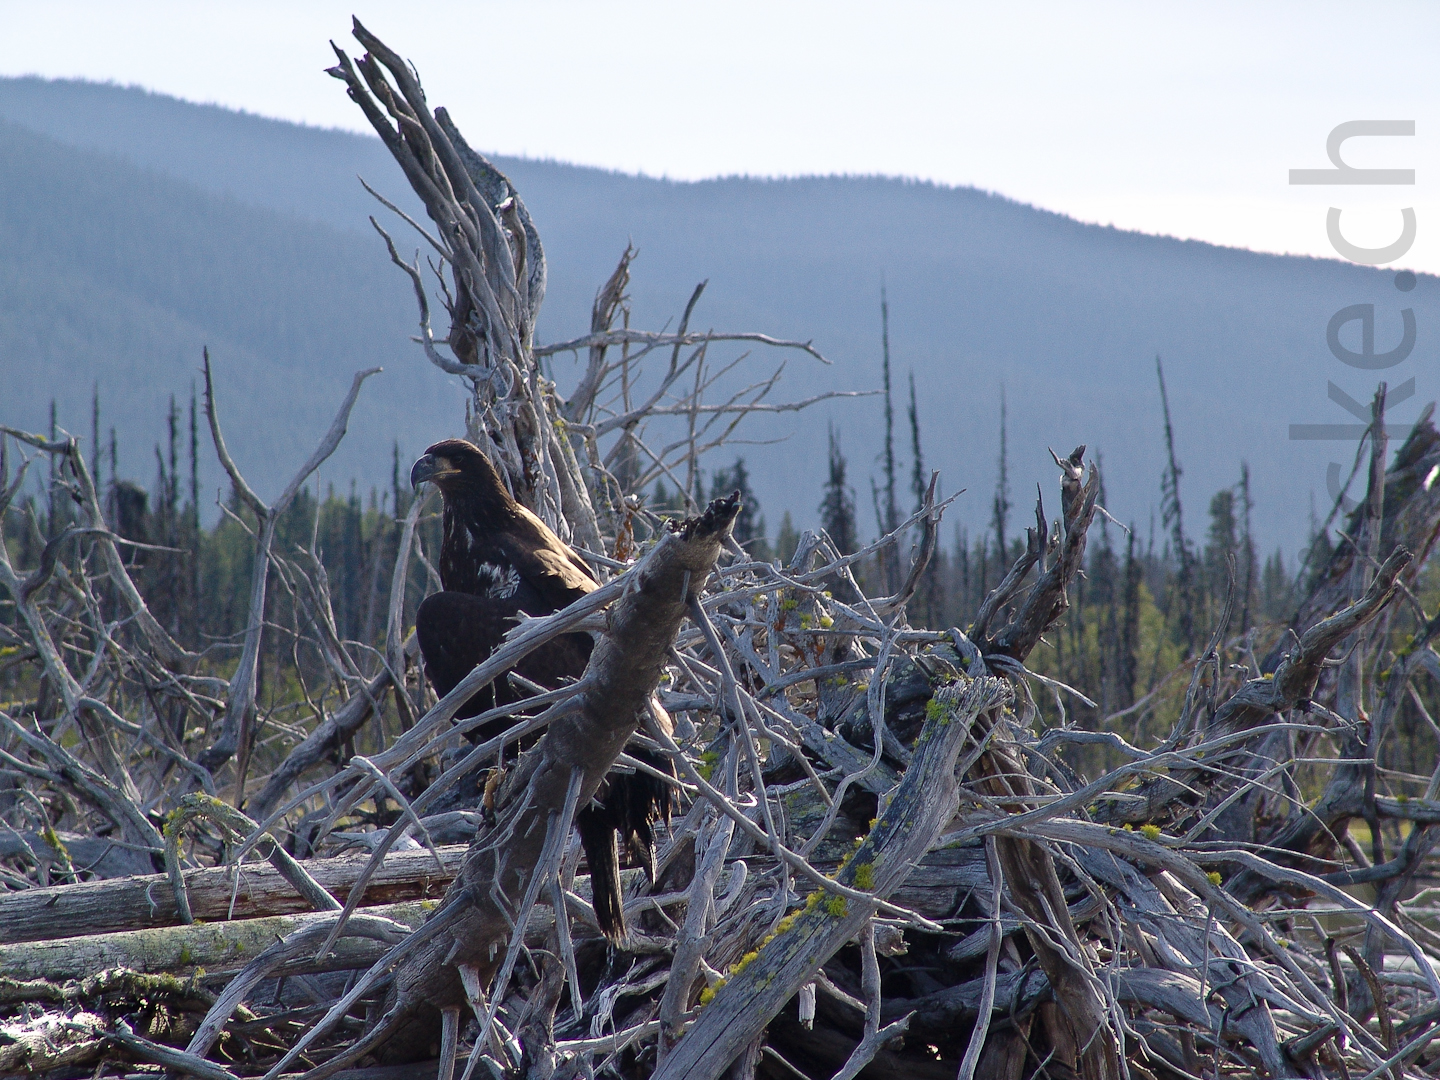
(1063, 796)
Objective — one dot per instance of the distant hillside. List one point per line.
(116, 276)
(149, 225)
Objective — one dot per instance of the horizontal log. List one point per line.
(942, 879)
(216, 947)
(945, 1010)
(216, 894)
(1018, 992)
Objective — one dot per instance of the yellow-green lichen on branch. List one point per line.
(708, 760)
(165, 949)
(821, 902)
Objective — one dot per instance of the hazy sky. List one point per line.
(1166, 118)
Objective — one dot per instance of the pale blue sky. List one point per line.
(1180, 119)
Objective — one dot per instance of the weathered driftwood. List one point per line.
(240, 705)
(57, 848)
(1408, 500)
(1012, 1007)
(1184, 945)
(920, 807)
(1400, 512)
(216, 947)
(37, 1044)
(483, 231)
(1041, 941)
(323, 741)
(279, 957)
(1015, 993)
(1288, 687)
(216, 893)
(1080, 1031)
(486, 235)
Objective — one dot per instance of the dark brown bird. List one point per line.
(497, 559)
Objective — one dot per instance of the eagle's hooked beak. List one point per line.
(431, 467)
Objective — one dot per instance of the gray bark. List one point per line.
(216, 893)
(216, 947)
(921, 806)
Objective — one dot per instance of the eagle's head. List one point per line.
(457, 467)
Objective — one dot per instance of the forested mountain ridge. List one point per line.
(983, 291)
(117, 277)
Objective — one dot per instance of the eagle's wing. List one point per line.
(458, 631)
(546, 561)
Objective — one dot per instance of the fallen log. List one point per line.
(218, 893)
(216, 947)
(1015, 996)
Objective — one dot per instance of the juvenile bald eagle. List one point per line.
(498, 559)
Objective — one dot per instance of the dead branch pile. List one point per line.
(886, 862)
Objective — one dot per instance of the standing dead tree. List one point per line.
(485, 235)
(886, 864)
(240, 696)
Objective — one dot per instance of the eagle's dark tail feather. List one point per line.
(602, 853)
(644, 801)
(631, 805)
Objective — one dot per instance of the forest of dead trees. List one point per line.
(1134, 617)
(1070, 798)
